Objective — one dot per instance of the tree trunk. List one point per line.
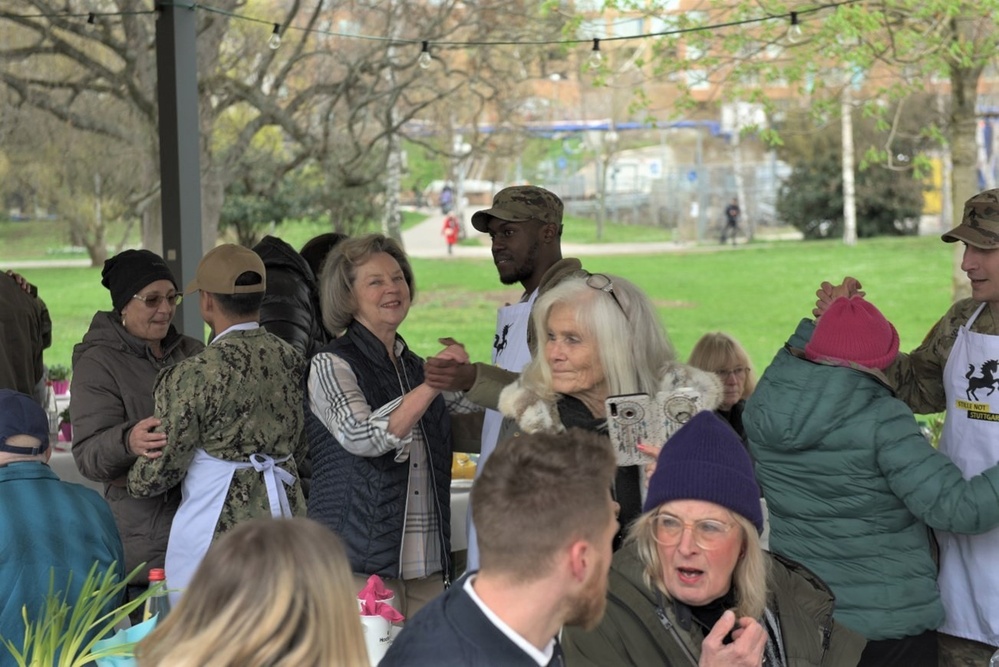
(849, 187)
(392, 219)
(964, 154)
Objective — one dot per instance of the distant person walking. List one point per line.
(451, 231)
(732, 213)
(446, 199)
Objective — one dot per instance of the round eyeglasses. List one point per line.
(708, 534)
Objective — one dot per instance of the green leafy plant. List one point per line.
(59, 372)
(64, 417)
(64, 634)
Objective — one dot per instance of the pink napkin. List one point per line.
(373, 597)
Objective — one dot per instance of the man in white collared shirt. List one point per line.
(546, 522)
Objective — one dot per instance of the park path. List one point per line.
(424, 240)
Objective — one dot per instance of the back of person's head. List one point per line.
(537, 494)
(853, 331)
(316, 249)
(630, 337)
(24, 427)
(242, 305)
(235, 276)
(718, 351)
(270, 592)
(705, 460)
(336, 284)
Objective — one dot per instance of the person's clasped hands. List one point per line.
(450, 369)
(827, 293)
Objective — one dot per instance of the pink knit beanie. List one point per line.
(853, 330)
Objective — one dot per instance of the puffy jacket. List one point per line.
(851, 485)
(290, 309)
(361, 498)
(112, 389)
(632, 632)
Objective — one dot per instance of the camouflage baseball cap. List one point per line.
(980, 225)
(520, 203)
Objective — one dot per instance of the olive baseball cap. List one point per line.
(980, 224)
(520, 203)
(220, 267)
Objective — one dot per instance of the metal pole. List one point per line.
(180, 165)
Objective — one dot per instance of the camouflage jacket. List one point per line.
(241, 396)
(918, 376)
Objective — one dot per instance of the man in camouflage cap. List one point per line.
(525, 227)
(954, 371)
(980, 225)
(232, 415)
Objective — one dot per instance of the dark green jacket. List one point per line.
(632, 633)
(851, 485)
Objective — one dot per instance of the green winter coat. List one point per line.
(631, 632)
(852, 484)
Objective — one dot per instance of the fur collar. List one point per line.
(534, 414)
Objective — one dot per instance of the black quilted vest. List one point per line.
(363, 499)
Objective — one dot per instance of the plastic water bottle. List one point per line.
(158, 603)
(52, 412)
(994, 660)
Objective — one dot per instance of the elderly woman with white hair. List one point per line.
(692, 586)
(598, 336)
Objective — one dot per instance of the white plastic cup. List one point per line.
(377, 637)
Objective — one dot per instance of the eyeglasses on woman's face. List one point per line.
(153, 301)
(708, 534)
(725, 373)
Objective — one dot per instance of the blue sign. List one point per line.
(691, 175)
(561, 163)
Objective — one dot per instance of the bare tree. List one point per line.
(337, 96)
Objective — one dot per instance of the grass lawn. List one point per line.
(756, 293)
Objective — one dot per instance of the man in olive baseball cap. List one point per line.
(980, 224)
(524, 225)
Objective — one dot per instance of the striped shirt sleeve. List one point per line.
(337, 401)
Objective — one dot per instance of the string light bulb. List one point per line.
(92, 18)
(425, 60)
(596, 59)
(794, 33)
(275, 41)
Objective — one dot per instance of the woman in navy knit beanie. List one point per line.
(692, 571)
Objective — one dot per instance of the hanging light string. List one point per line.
(794, 17)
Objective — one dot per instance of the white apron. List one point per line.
(969, 564)
(510, 352)
(204, 490)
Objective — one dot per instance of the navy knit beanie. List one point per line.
(706, 460)
(128, 272)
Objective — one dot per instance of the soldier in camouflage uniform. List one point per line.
(955, 370)
(232, 415)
